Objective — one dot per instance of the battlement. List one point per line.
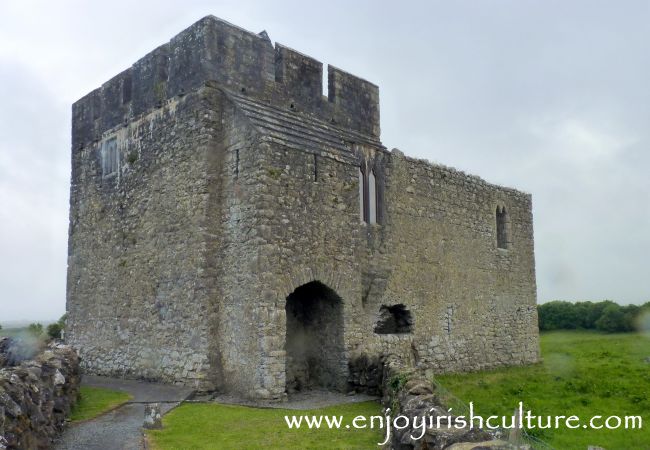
(214, 50)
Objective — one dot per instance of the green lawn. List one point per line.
(214, 426)
(96, 401)
(583, 374)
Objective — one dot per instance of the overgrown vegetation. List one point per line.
(584, 374)
(214, 426)
(604, 316)
(55, 329)
(36, 330)
(95, 401)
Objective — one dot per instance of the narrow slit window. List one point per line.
(127, 86)
(109, 157)
(372, 198)
(362, 190)
(502, 227)
(236, 168)
(315, 167)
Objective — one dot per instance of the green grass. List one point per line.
(215, 426)
(13, 332)
(96, 401)
(583, 374)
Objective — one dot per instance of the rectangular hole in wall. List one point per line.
(127, 86)
(325, 82)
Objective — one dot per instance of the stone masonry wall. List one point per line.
(36, 396)
(137, 279)
(474, 304)
(212, 179)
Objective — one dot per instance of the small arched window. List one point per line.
(372, 198)
(502, 227)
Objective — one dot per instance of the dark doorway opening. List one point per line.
(314, 345)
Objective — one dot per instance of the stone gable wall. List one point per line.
(137, 284)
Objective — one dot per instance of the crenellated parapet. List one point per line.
(239, 60)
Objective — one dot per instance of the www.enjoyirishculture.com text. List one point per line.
(418, 425)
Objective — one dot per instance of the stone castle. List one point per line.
(232, 228)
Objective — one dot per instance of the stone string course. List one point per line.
(36, 396)
(237, 182)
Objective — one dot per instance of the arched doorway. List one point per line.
(314, 341)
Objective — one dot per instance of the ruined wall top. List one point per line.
(214, 50)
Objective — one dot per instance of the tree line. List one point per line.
(604, 316)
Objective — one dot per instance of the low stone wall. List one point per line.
(408, 392)
(36, 396)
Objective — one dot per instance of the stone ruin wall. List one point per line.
(137, 285)
(36, 394)
(474, 304)
(180, 265)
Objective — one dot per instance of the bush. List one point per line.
(612, 319)
(35, 329)
(54, 330)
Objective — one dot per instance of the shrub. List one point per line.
(54, 330)
(612, 319)
(35, 329)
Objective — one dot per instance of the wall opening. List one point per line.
(372, 198)
(127, 86)
(362, 196)
(502, 227)
(314, 341)
(109, 157)
(394, 319)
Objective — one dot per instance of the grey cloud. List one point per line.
(548, 97)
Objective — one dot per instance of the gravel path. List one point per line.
(312, 399)
(120, 429)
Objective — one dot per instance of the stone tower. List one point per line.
(232, 228)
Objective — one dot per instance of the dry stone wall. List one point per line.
(36, 396)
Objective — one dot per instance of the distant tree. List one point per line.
(557, 315)
(54, 329)
(612, 320)
(595, 312)
(631, 314)
(35, 329)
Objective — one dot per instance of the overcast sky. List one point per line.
(550, 97)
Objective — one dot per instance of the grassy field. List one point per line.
(583, 374)
(13, 332)
(96, 401)
(213, 426)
